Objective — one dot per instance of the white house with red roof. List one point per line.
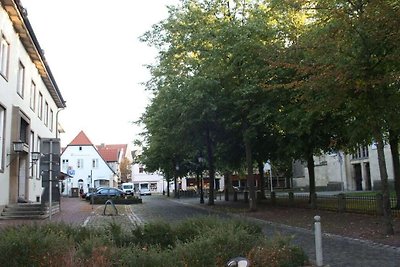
(86, 166)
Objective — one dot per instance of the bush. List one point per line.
(116, 200)
(277, 253)
(154, 234)
(208, 241)
(33, 245)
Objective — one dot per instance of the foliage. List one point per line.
(125, 169)
(277, 253)
(34, 246)
(156, 244)
(243, 82)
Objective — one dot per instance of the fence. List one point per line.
(340, 202)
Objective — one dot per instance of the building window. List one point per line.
(95, 163)
(40, 106)
(65, 164)
(79, 164)
(46, 113)
(24, 131)
(4, 55)
(51, 120)
(33, 96)
(20, 79)
(141, 169)
(2, 129)
(361, 153)
(153, 186)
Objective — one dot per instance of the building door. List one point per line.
(368, 185)
(22, 178)
(358, 176)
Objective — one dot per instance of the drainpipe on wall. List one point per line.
(60, 109)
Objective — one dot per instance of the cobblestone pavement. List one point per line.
(338, 251)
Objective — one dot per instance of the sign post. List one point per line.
(50, 167)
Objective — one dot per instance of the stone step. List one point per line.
(25, 211)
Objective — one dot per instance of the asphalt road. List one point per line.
(159, 208)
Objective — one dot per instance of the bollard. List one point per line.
(318, 240)
(110, 202)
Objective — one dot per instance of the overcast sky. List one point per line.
(93, 50)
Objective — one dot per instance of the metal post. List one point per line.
(318, 240)
(341, 170)
(93, 191)
(50, 179)
(270, 178)
(201, 189)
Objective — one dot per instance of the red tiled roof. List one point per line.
(108, 154)
(81, 140)
(111, 153)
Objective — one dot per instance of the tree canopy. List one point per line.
(243, 82)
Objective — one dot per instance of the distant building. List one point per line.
(350, 172)
(113, 155)
(86, 166)
(29, 104)
(154, 181)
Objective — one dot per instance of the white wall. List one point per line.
(334, 171)
(102, 174)
(149, 178)
(10, 98)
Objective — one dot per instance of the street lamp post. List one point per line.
(176, 180)
(201, 180)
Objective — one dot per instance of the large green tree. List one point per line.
(354, 44)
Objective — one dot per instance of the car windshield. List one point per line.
(127, 187)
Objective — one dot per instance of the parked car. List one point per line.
(106, 192)
(91, 190)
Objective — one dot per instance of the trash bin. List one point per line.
(74, 192)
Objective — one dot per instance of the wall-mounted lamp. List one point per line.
(18, 147)
(35, 156)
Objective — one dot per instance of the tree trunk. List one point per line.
(262, 179)
(168, 178)
(211, 168)
(387, 212)
(168, 188)
(175, 187)
(311, 176)
(250, 176)
(394, 148)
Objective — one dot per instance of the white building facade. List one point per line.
(29, 104)
(85, 167)
(340, 171)
(155, 181)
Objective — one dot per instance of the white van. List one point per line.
(144, 189)
(127, 188)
